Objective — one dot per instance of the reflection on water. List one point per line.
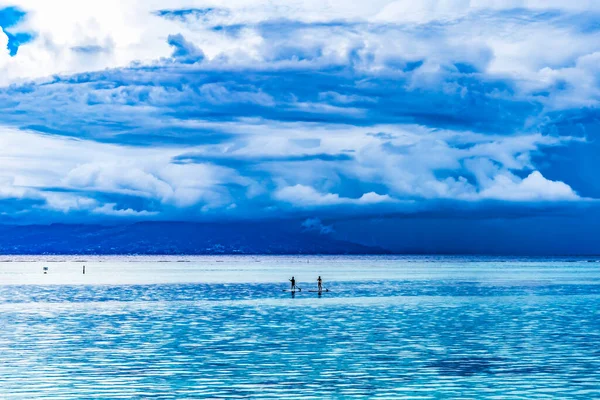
(450, 338)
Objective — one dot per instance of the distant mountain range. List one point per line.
(174, 238)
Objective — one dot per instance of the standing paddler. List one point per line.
(320, 283)
(293, 281)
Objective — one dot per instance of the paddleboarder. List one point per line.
(293, 281)
(320, 283)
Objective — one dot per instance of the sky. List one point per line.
(435, 110)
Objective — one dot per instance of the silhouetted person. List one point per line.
(320, 283)
(293, 281)
(84, 269)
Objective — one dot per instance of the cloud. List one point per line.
(496, 37)
(305, 196)
(315, 224)
(4, 51)
(533, 188)
(111, 210)
(191, 15)
(265, 170)
(181, 108)
(67, 203)
(184, 51)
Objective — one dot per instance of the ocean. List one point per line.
(222, 327)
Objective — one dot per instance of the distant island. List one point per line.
(163, 238)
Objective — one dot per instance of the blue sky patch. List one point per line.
(10, 17)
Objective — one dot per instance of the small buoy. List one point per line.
(45, 270)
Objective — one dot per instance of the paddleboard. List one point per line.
(293, 291)
(317, 291)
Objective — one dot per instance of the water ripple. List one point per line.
(365, 339)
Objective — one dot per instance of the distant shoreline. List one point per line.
(79, 257)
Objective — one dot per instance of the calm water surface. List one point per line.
(221, 327)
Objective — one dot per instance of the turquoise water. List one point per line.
(221, 327)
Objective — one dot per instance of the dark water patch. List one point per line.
(466, 366)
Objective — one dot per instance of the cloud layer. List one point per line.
(192, 110)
